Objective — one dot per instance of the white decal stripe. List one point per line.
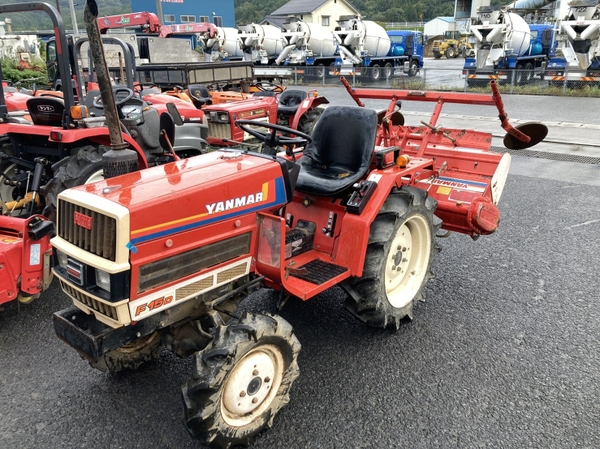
(140, 308)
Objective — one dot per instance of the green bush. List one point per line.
(16, 72)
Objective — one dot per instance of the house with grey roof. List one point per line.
(322, 12)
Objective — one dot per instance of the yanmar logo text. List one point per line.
(234, 203)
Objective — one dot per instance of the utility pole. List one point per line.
(73, 17)
(159, 12)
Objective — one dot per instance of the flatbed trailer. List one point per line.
(167, 76)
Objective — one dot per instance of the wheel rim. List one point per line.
(6, 191)
(407, 261)
(96, 176)
(252, 385)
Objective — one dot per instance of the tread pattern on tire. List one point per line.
(70, 171)
(202, 392)
(373, 307)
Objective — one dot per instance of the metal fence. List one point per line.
(515, 82)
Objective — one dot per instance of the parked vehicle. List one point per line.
(452, 45)
(508, 49)
(357, 204)
(356, 45)
(61, 147)
(578, 55)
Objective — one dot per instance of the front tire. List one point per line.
(398, 261)
(241, 380)
(414, 68)
(131, 355)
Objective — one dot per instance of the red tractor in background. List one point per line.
(62, 147)
(357, 204)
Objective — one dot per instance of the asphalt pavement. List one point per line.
(504, 352)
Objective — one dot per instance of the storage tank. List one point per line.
(362, 37)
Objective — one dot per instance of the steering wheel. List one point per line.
(272, 139)
(121, 94)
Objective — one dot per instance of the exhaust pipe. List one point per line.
(120, 159)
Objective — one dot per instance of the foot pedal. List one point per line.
(318, 272)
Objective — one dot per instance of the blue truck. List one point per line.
(508, 49)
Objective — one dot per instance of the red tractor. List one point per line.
(357, 204)
(296, 109)
(61, 147)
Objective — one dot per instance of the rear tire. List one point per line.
(388, 70)
(519, 74)
(398, 261)
(375, 72)
(83, 166)
(241, 380)
(7, 193)
(529, 69)
(451, 53)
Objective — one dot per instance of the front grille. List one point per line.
(99, 239)
(219, 130)
(198, 286)
(231, 273)
(184, 264)
(90, 302)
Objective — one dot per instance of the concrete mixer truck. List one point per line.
(355, 45)
(226, 45)
(365, 44)
(261, 43)
(578, 53)
(307, 44)
(507, 49)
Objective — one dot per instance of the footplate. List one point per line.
(318, 271)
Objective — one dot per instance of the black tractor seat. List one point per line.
(46, 111)
(289, 101)
(340, 153)
(199, 94)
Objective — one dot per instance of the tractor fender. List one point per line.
(24, 262)
(353, 239)
(309, 103)
(75, 138)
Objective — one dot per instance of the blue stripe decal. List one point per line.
(280, 198)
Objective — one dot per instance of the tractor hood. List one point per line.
(180, 196)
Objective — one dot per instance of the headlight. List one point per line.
(103, 280)
(62, 259)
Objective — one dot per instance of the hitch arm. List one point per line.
(503, 116)
(350, 90)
